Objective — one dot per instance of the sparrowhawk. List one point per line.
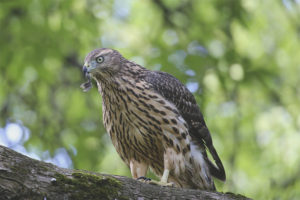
(153, 121)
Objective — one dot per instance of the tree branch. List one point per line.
(24, 178)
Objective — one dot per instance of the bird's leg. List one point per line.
(167, 166)
(164, 180)
(139, 170)
(165, 176)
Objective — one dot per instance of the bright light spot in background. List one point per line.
(228, 108)
(272, 121)
(216, 48)
(2, 137)
(192, 86)
(236, 72)
(287, 4)
(88, 125)
(14, 133)
(154, 52)
(195, 48)
(111, 41)
(190, 72)
(121, 9)
(61, 159)
(211, 81)
(250, 5)
(177, 58)
(282, 58)
(21, 149)
(170, 37)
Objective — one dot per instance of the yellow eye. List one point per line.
(99, 59)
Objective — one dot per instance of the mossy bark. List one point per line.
(24, 178)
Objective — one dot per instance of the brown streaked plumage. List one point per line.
(153, 121)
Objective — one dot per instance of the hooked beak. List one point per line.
(85, 69)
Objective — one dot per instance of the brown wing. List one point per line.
(174, 91)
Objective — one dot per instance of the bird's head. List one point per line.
(101, 64)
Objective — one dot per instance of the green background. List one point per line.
(241, 59)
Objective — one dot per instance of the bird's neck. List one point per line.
(116, 84)
(108, 88)
(111, 88)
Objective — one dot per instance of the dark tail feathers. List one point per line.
(216, 171)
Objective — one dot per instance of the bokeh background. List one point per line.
(241, 59)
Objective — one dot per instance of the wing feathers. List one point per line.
(174, 91)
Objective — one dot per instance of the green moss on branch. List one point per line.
(88, 186)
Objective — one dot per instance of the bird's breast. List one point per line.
(141, 122)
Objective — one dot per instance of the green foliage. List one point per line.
(240, 58)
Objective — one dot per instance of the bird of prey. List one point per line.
(153, 121)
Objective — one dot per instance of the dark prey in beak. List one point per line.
(87, 85)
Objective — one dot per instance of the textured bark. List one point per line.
(24, 178)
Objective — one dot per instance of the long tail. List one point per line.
(216, 171)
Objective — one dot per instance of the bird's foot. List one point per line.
(153, 182)
(144, 179)
(161, 183)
